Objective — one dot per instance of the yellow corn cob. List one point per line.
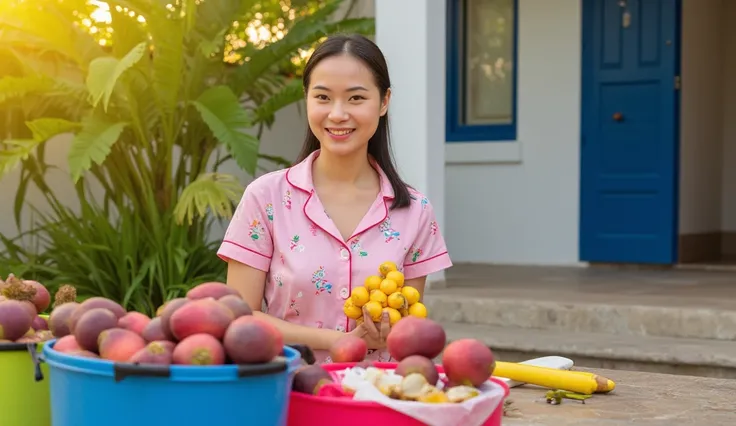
(573, 381)
(609, 384)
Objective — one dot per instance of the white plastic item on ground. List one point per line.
(557, 362)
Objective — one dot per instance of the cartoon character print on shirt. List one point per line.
(320, 282)
(416, 252)
(424, 201)
(256, 230)
(389, 233)
(357, 248)
(294, 244)
(278, 279)
(294, 305)
(286, 200)
(269, 211)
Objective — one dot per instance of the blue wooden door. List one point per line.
(629, 140)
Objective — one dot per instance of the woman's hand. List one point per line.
(374, 336)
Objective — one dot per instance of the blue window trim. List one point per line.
(454, 130)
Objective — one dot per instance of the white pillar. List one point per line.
(411, 33)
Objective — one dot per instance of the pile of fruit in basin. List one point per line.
(212, 325)
(384, 292)
(22, 302)
(413, 342)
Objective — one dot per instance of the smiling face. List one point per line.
(344, 105)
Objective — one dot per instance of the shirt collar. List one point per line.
(300, 176)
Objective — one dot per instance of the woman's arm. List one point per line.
(250, 283)
(419, 284)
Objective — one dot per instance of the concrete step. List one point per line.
(623, 319)
(697, 357)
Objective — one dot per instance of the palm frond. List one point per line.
(167, 33)
(13, 152)
(228, 120)
(44, 129)
(105, 71)
(216, 192)
(93, 143)
(305, 31)
(127, 33)
(291, 92)
(14, 88)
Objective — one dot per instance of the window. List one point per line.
(481, 70)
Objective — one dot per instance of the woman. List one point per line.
(303, 237)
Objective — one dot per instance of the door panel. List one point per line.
(629, 131)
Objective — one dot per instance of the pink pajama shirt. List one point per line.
(281, 227)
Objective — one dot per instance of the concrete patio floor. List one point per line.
(639, 398)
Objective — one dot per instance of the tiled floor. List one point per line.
(689, 287)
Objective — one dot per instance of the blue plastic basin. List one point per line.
(94, 392)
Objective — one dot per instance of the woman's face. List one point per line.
(344, 105)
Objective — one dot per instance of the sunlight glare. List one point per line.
(255, 33)
(102, 13)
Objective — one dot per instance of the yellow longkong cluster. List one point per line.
(385, 292)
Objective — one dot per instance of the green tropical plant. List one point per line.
(157, 99)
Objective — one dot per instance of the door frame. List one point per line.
(587, 71)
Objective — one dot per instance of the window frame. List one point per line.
(455, 41)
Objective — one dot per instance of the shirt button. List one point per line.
(344, 293)
(345, 254)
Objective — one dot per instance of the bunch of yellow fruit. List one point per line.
(385, 292)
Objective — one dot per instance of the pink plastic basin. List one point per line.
(308, 410)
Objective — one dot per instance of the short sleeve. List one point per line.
(248, 236)
(428, 254)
